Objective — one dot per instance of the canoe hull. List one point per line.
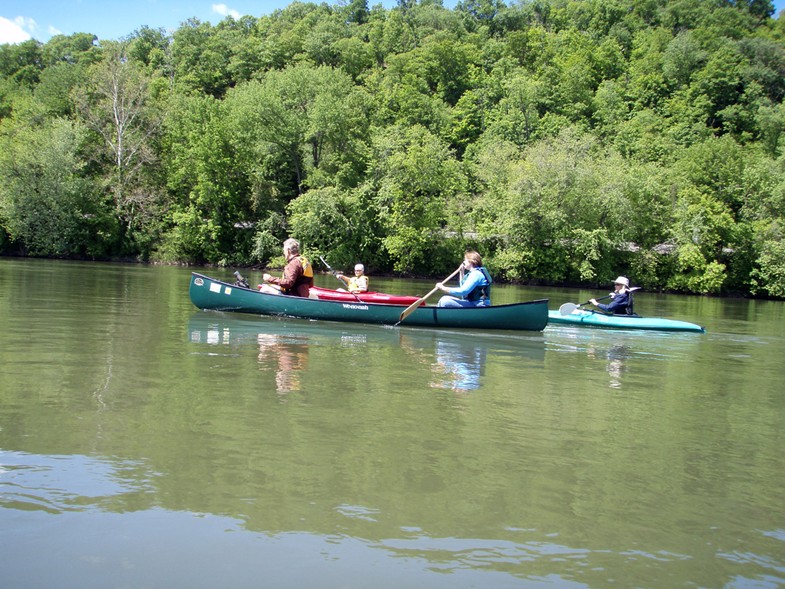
(583, 318)
(209, 293)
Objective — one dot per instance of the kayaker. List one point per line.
(356, 283)
(297, 277)
(621, 303)
(474, 288)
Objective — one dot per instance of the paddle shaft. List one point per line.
(408, 310)
(633, 289)
(568, 308)
(600, 299)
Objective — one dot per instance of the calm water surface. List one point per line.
(145, 443)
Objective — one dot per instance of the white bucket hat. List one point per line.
(622, 280)
(359, 267)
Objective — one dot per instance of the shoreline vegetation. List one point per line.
(549, 135)
(278, 267)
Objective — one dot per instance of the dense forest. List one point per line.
(566, 140)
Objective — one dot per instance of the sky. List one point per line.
(21, 20)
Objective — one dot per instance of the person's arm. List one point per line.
(291, 272)
(619, 301)
(473, 279)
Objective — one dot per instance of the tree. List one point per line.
(305, 125)
(22, 62)
(201, 56)
(701, 226)
(150, 47)
(417, 176)
(340, 225)
(117, 107)
(77, 49)
(561, 209)
(211, 213)
(47, 204)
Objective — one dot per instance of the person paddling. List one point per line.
(474, 288)
(297, 277)
(358, 282)
(621, 303)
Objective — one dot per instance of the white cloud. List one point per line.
(224, 10)
(54, 31)
(17, 30)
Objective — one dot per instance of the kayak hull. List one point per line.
(209, 293)
(328, 294)
(582, 318)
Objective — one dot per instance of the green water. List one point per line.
(145, 443)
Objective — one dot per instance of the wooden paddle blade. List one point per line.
(567, 309)
(408, 310)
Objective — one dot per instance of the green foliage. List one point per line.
(268, 238)
(115, 103)
(149, 47)
(593, 250)
(79, 49)
(337, 225)
(209, 184)
(702, 224)
(418, 175)
(47, 205)
(562, 206)
(320, 221)
(22, 63)
(565, 140)
(201, 57)
(769, 277)
(304, 118)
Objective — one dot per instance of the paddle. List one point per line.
(334, 273)
(408, 310)
(568, 308)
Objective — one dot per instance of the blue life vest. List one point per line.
(483, 291)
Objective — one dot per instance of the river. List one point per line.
(145, 443)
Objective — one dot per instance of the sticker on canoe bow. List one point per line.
(215, 287)
(198, 282)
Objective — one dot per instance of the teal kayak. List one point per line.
(584, 318)
(209, 293)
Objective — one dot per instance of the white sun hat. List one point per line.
(359, 267)
(622, 280)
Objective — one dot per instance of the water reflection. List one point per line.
(455, 361)
(457, 367)
(286, 357)
(615, 356)
(194, 473)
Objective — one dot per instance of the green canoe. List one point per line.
(209, 293)
(585, 318)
